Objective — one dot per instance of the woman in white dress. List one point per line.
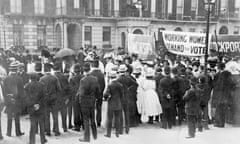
(148, 101)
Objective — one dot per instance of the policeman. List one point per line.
(88, 94)
(74, 85)
(35, 105)
(52, 89)
(63, 97)
(166, 93)
(101, 81)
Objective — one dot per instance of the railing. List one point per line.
(81, 12)
(227, 15)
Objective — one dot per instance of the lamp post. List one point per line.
(208, 5)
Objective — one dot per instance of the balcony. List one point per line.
(230, 15)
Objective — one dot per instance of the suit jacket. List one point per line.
(74, 86)
(223, 87)
(157, 78)
(65, 89)
(127, 82)
(192, 102)
(14, 91)
(35, 95)
(166, 88)
(100, 77)
(114, 94)
(51, 88)
(89, 91)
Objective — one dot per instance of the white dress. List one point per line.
(149, 101)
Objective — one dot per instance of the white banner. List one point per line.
(143, 45)
(185, 43)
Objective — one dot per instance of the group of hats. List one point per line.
(115, 70)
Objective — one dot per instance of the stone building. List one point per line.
(106, 23)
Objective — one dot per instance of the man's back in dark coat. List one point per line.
(127, 82)
(88, 91)
(51, 88)
(165, 90)
(35, 95)
(13, 85)
(100, 77)
(114, 94)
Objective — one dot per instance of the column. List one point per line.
(153, 8)
(97, 7)
(116, 8)
(65, 35)
(169, 7)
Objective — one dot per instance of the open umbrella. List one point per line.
(3, 72)
(64, 52)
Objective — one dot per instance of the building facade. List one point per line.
(106, 23)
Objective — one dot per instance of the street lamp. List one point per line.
(208, 5)
(138, 5)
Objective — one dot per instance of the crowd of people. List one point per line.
(160, 91)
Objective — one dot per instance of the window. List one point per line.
(236, 30)
(39, 6)
(61, 7)
(223, 30)
(76, 4)
(17, 35)
(41, 35)
(106, 35)
(88, 35)
(192, 30)
(16, 6)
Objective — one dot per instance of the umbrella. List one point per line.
(3, 72)
(64, 52)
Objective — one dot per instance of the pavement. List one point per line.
(144, 134)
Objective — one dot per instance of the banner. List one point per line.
(185, 43)
(228, 44)
(143, 45)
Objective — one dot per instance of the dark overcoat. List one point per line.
(51, 89)
(88, 91)
(14, 93)
(35, 95)
(223, 86)
(100, 77)
(127, 82)
(192, 102)
(114, 94)
(166, 88)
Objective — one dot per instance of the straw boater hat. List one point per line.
(122, 68)
(150, 72)
(14, 66)
(113, 74)
(137, 70)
